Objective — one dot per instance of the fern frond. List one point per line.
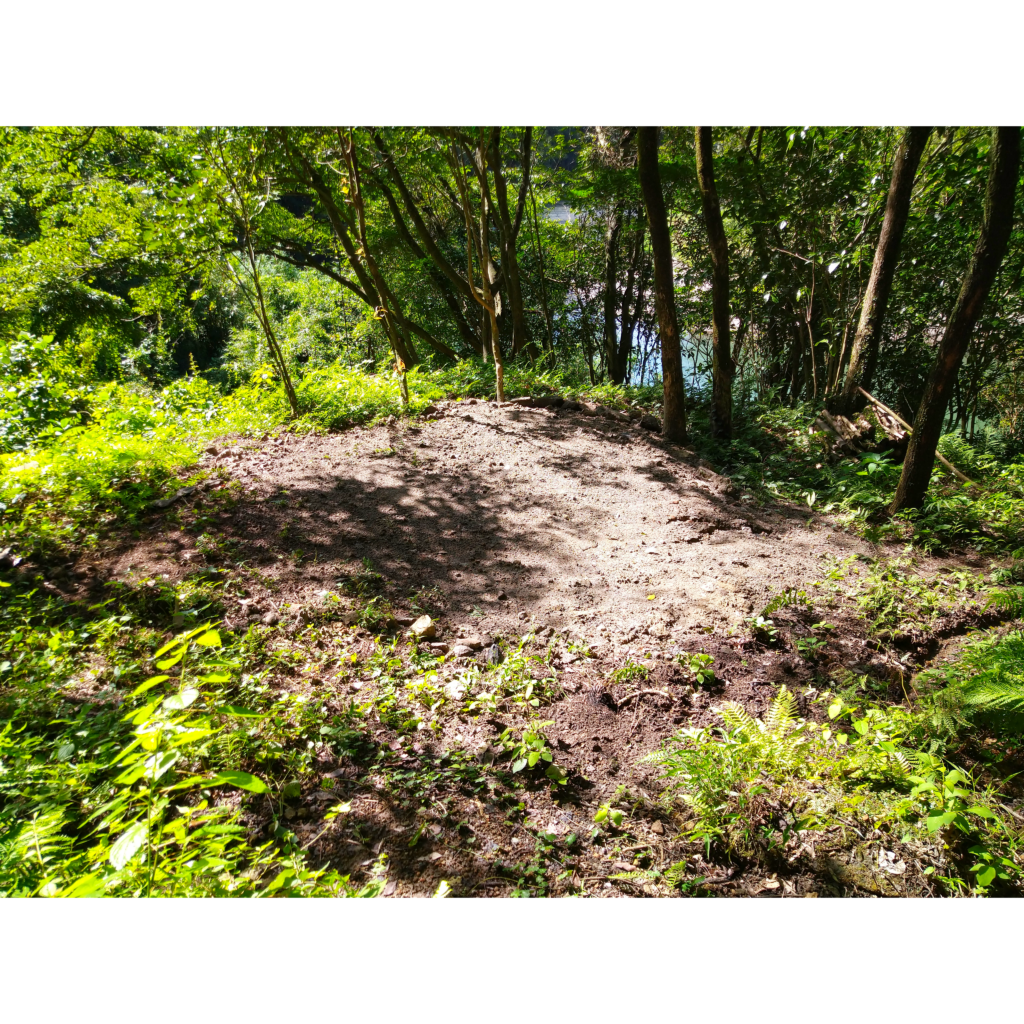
(781, 712)
(787, 599)
(1010, 601)
(738, 719)
(994, 693)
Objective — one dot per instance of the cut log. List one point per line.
(881, 409)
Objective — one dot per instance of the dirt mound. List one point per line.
(518, 514)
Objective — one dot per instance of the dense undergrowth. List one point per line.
(148, 780)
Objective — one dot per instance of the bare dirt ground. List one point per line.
(510, 521)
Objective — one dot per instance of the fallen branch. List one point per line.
(899, 419)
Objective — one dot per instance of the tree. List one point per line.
(674, 403)
(864, 354)
(996, 227)
(722, 364)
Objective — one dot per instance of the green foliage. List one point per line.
(531, 750)
(729, 777)
(789, 598)
(763, 629)
(629, 672)
(699, 667)
(141, 791)
(984, 687)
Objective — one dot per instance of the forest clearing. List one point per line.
(489, 512)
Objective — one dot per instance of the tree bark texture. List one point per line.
(721, 361)
(866, 340)
(674, 408)
(981, 273)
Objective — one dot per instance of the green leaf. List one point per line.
(982, 812)
(935, 822)
(209, 639)
(170, 646)
(986, 876)
(180, 701)
(148, 684)
(532, 758)
(237, 712)
(519, 765)
(834, 709)
(169, 662)
(240, 780)
(128, 845)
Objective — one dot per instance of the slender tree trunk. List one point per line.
(645, 270)
(550, 335)
(630, 313)
(403, 351)
(509, 257)
(674, 407)
(721, 358)
(988, 255)
(611, 291)
(866, 341)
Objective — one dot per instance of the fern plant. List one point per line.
(986, 687)
(778, 741)
(789, 598)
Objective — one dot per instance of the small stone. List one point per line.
(652, 423)
(270, 619)
(502, 596)
(405, 620)
(455, 690)
(658, 829)
(474, 643)
(424, 628)
(462, 651)
(494, 655)
(439, 648)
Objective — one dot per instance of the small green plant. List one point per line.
(789, 598)
(699, 667)
(530, 750)
(763, 629)
(629, 672)
(610, 815)
(810, 646)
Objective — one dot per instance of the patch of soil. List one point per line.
(506, 521)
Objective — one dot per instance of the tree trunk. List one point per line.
(674, 408)
(402, 348)
(550, 334)
(509, 257)
(611, 291)
(630, 311)
(988, 255)
(721, 359)
(864, 354)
